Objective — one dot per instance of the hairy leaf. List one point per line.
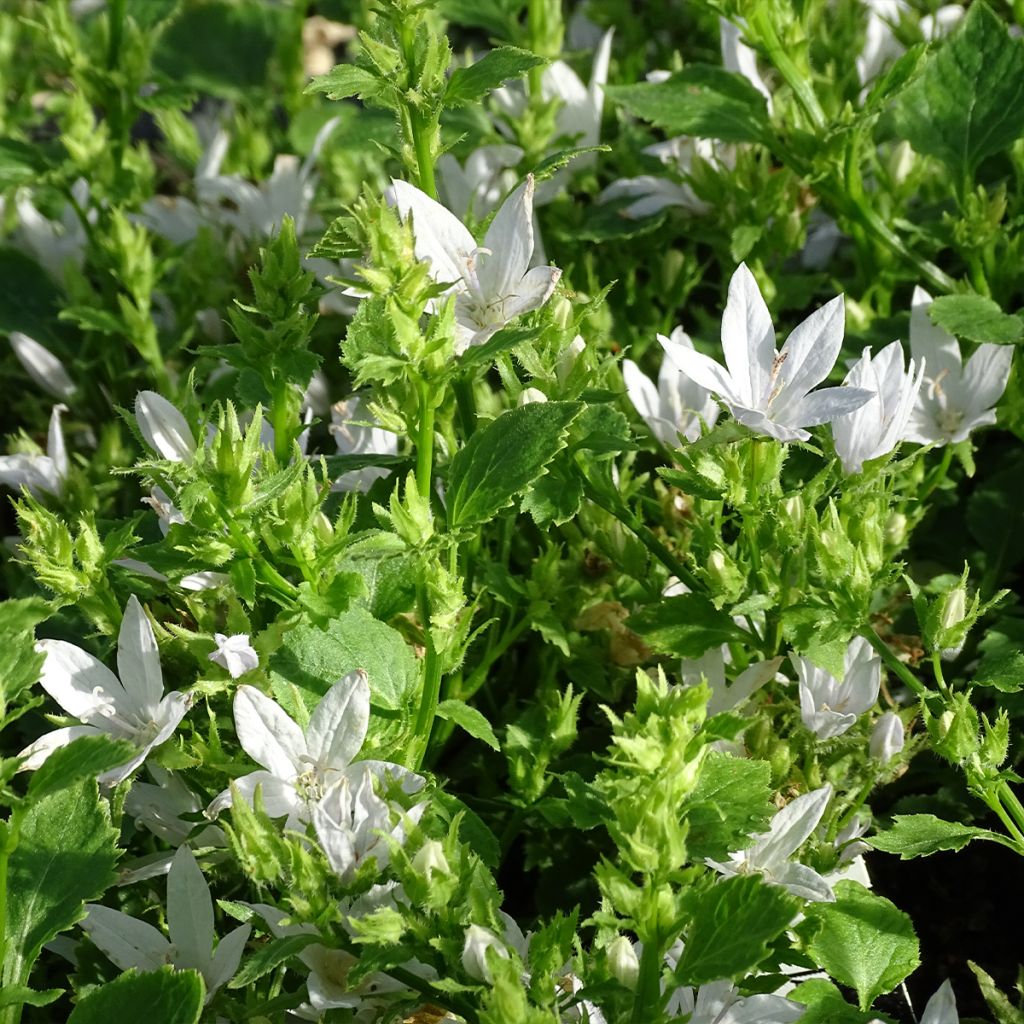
(166, 995)
(920, 835)
(471, 84)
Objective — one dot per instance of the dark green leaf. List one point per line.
(313, 660)
(968, 101)
(555, 497)
(85, 758)
(507, 339)
(1004, 673)
(344, 80)
(701, 100)
(472, 830)
(469, 719)
(826, 1005)
(471, 84)
(863, 941)
(976, 318)
(920, 835)
(267, 957)
(29, 299)
(505, 457)
(66, 856)
(22, 995)
(166, 995)
(733, 925)
(687, 625)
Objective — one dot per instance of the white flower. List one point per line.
(878, 426)
(476, 189)
(357, 433)
(164, 428)
(42, 366)
(887, 737)
(955, 398)
(300, 766)
(131, 943)
(352, 820)
(474, 952)
(131, 708)
(941, 1008)
(710, 667)
(829, 707)
(492, 282)
(235, 654)
(740, 58)
(767, 390)
(770, 853)
(160, 808)
(41, 474)
(55, 244)
(678, 405)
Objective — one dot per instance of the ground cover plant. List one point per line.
(512, 511)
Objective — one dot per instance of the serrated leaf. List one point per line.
(551, 165)
(507, 339)
(469, 85)
(22, 995)
(1001, 1008)
(272, 955)
(976, 318)
(555, 497)
(863, 941)
(505, 457)
(732, 928)
(920, 835)
(165, 995)
(826, 1005)
(66, 855)
(85, 758)
(313, 660)
(344, 80)
(687, 625)
(968, 101)
(470, 720)
(730, 802)
(701, 100)
(1004, 673)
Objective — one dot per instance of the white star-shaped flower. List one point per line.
(829, 707)
(235, 654)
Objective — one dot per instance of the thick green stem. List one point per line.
(431, 685)
(893, 663)
(279, 421)
(648, 985)
(425, 442)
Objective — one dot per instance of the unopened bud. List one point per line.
(474, 952)
(886, 737)
(623, 962)
(530, 396)
(567, 358)
(430, 858)
(896, 530)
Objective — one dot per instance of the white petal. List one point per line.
(138, 659)
(79, 683)
(941, 1008)
(748, 341)
(701, 369)
(824, 405)
(127, 941)
(929, 341)
(509, 240)
(804, 882)
(986, 375)
(55, 447)
(189, 912)
(165, 429)
(810, 353)
(531, 292)
(644, 396)
(268, 735)
(42, 366)
(791, 826)
(750, 679)
(338, 725)
(37, 752)
(279, 798)
(227, 957)
(36, 472)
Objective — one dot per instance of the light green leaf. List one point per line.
(166, 995)
(85, 758)
(701, 100)
(687, 625)
(976, 318)
(471, 84)
(22, 995)
(921, 835)
(344, 80)
(1004, 672)
(968, 101)
(1001, 1008)
(66, 855)
(269, 956)
(468, 719)
(313, 660)
(505, 457)
(20, 163)
(864, 941)
(731, 801)
(733, 926)
(826, 1005)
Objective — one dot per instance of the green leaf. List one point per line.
(555, 497)
(272, 955)
(344, 80)
(730, 802)
(472, 829)
(826, 1005)
(701, 100)
(313, 660)
(687, 625)
(921, 835)
(507, 339)
(863, 941)
(66, 855)
(733, 926)
(469, 85)
(1004, 673)
(1000, 1007)
(505, 457)
(20, 163)
(470, 720)
(976, 318)
(29, 299)
(85, 758)
(552, 164)
(219, 47)
(165, 995)
(22, 995)
(968, 101)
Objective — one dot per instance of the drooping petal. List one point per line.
(267, 734)
(339, 722)
(531, 292)
(701, 369)
(644, 396)
(825, 405)
(280, 799)
(748, 341)
(986, 375)
(127, 941)
(227, 958)
(165, 429)
(929, 341)
(189, 912)
(804, 882)
(750, 679)
(138, 659)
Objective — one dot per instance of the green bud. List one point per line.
(623, 962)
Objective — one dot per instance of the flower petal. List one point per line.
(189, 912)
(77, 681)
(701, 369)
(790, 828)
(227, 958)
(339, 722)
(748, 341)
(268, 735)
(809, 354)
(37, 752)
(42, 365)
(279, 798)
(127, 941)
(509, 240)
(165, 429)
(138, 659)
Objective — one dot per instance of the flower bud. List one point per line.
(567, 358)
(430, 858)
(887, 737)
(901, 162)
(42, 366)
(896, 530)
(164, 428)
(623, 962)
(530, 396)
(474, 952)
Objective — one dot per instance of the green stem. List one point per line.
(893, 663)
(279, 417)
(431, 685)
(11, 834)
(937, 475)
(425, 442)
(995, 804)
(1009, 800)
(940, 679)
(648, 984)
